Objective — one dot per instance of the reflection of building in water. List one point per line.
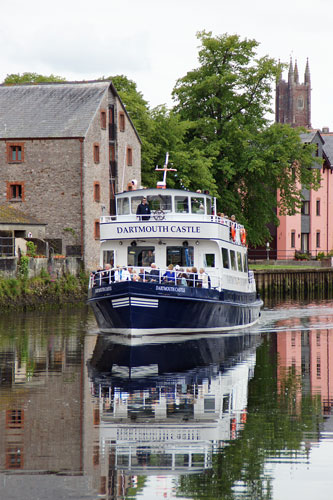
(40, 387)
(306, 354)
(155, 420)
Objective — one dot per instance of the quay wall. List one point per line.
(295, 283)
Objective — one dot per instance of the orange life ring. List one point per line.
(243, 236)
(233, 232)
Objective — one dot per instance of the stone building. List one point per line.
(293, 99)
(65, 150)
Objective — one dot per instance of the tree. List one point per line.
(17, 78)
(226, 100)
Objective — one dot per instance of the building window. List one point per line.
(300, 102)
(15, 191)
(97, 232)
(122, 121)
(129, 155)
(318, 239)
(305, 209)
(317, 207)
(97, 191)
(96, 152)
(14, 457)
(292, 240)
(14, 419)
(15, 152)
(103, 119)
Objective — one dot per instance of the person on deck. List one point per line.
(154, 274)
(143, 210)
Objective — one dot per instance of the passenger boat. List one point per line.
(133, 294)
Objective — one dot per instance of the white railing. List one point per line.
(159, 276)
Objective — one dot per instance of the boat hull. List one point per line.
(132, 308)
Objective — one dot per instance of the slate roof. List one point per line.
(49, 110)
(11, 215)
(328, 147)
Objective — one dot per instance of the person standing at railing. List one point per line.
(143, 210)
(170, 276)
(154, 274)
(204, 279)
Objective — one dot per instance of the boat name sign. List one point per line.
(157, 228)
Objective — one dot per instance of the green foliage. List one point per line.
(226, 100)
(23, 267)
(17, 78)
(31, 249)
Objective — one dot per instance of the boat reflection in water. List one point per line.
(165, 407)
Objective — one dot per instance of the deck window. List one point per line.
(183, 256)
(123, 206)
(140, 256)
(239, 260)
(197, 205)
(233, 260)
(245, 264)
(108, 258)
(181, 204)
(208, 206)
(209, 260)
(225, 258)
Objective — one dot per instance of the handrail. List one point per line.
(143, 274)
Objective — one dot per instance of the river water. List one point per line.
(241, 416)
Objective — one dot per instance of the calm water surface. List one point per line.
(242, 416)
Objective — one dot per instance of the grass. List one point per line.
(267, 267)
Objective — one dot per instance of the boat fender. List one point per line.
(233, 232)
(243, 236)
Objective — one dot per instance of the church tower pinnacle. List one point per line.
(293, 99)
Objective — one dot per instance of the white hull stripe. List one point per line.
(134, 301)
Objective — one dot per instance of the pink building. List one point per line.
(311, 230)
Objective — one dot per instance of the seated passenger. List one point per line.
(181, 278)
(125, 275)
(142, 275)
(106, 274)
(204, 278)
(154, 275)
(169, 276)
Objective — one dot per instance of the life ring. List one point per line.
(233, 232)
(243, 236)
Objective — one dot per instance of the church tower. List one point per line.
(293, 99)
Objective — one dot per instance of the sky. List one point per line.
(154, 43)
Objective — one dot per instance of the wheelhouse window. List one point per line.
(245, 263)
(209, 260)
(208, 206)
(181, 204)
(183, 256)
(15, 191)
(140, 256)
(197, 205)
(233, 260)
(123, 206)
(15, 152)
(155, 202)
(225, 258)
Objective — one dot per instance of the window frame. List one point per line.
(97, 229)
(293, 239)
(10, 146)
(10, 186)
(129, 156)
(122, 123)
(96, 152)
(97, 191)
(103, 118)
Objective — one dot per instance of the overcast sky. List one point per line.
(154, 43)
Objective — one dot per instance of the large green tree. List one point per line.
(227, 100)
(16, 78)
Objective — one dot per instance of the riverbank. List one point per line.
(43, 291)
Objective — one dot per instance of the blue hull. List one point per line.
(134, 308)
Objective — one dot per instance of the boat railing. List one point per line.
(164, 216)
(149, 275)
(162, 276)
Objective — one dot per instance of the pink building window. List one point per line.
(292, 239)
(318, 239)
(317, 207)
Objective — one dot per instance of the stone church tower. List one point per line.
(293, 99)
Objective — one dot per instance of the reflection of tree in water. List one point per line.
(275, 427)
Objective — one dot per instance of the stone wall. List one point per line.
(56, 267)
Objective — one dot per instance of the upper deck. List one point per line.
(193, 211)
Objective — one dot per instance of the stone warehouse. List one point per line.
(65, 150)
